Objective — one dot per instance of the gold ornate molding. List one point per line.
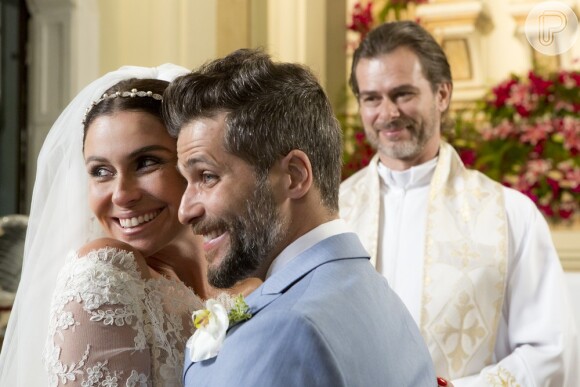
(459, 26)
(519, 11)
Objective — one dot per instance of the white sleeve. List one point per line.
(537, 342)
(96, 334)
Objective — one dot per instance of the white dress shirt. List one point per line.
(306, 241)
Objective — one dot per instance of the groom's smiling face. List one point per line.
(237, 213)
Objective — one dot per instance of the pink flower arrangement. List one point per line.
(531, 134)
(360, 158)
(363, 19)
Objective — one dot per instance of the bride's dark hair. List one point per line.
(119, 98)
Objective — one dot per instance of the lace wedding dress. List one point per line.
(110, 327)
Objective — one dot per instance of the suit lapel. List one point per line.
(337, 247)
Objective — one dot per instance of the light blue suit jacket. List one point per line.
(327, 318)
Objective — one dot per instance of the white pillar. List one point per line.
(62, 58)
(312, 32)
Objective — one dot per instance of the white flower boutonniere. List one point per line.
(212, 323)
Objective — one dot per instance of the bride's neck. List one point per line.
(183, 259)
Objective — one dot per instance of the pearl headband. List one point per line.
(122, 94)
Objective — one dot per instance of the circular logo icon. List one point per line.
(551, 27)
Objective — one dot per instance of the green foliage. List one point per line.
(240, 311)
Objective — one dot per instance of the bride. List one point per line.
(118, 314)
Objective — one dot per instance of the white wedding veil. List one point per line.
(60, 221)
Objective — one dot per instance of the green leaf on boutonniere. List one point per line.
(240, 311)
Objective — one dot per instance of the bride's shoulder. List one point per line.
(113, 252)
(106, 244)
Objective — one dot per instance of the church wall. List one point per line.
(79, 40)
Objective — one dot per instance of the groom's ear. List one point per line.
(296, 165)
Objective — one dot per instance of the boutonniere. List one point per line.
(211, 325)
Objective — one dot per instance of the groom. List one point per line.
(261, 152)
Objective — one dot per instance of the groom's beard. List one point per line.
(254, 234)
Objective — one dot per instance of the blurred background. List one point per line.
(517, 111)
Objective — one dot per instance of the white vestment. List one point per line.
(532, 334)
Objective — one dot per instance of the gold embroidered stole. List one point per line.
(465, 267)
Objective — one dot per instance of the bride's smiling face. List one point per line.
(134, 186)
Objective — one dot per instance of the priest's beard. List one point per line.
(419, 135)
(254, 234)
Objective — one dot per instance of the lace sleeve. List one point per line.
(96, 327)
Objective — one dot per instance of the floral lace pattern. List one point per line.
(110, 327)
